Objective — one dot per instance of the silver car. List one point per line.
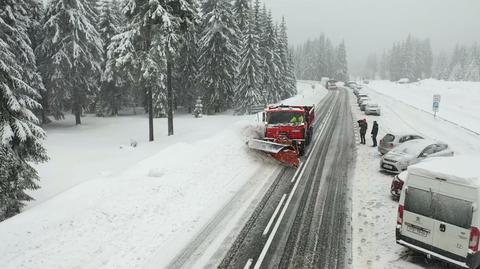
(412, 152)
(372, 109)
(389, 141)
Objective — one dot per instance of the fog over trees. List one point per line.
(414, 59)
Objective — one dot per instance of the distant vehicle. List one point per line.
(364, 103)
(352, 85)
(366, 81)
(389, 141)
(356, 91)
(360, 96)
(403, 81)
(372, 109)
(397, 184)
(412, 152)
(438, 211)
(331, 85)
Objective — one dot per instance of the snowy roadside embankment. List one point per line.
(120, 222)
(459, 104)
(142, 214)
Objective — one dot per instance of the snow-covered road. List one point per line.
(374, 212)
(141, 215)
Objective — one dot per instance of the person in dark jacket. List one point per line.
(374, 133)
(363, 130)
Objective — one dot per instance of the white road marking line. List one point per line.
(279, 220)
(248, 264)
(274, 214)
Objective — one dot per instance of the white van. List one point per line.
(438, 210)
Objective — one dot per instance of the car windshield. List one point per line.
(410, 148)
(285, 117)
(389, 138)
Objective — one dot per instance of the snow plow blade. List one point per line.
(285, 154)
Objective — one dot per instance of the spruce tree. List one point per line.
(218, 55)
(112, 90)
(71, 51)
(342, 66)
(152, 31)
(242, 12)
(289, 87)
(186, 74)
(249, 91)
(20, 134)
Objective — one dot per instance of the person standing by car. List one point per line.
(374, 133)
(363, 130)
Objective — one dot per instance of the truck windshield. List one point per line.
(285, 117)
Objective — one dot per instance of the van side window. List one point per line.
(418, 201)
(452, 210)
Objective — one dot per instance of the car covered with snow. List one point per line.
(352, 85)
(438, 210)
(412, 152)
(372, 109)
(391, 140)
(363, 103)
(403, 81)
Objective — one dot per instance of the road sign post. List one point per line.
(436, 104)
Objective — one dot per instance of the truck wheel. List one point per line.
(301, 149)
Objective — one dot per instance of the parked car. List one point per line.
(412, 152)
(403, 81)
(389, 141)
(364, 103)
(397, 184)
(360, 96)
(438, 211)
(372, 109)
(352, 85)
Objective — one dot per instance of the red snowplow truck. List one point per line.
(288, 129)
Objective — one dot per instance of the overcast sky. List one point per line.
(371, 25)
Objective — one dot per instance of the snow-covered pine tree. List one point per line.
(152, 31)
(271, 58)
(342, 66)
(242, 12)
(186, 70)
(440, 66)
(113, 91)
(289, 87)
(473, 67)
(71, 51)
(20, 135)
(218, 55)
(249, 91)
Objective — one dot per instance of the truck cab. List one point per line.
(289, 124)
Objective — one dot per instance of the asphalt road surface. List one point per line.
(303, 219)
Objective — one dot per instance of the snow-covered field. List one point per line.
(104, 204)
(460, 100)
(374, 212)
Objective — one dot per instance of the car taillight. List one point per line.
(391, 145)
(474, 236)
(400, 214)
